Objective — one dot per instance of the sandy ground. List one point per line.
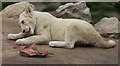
(78, 55)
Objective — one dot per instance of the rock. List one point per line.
(14, 10)
(74, 10)
(108, 27)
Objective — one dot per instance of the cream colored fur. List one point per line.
(57, 32)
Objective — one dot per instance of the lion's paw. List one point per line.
(52, 43)
(57, 44)
(11, 36)
(20, 42)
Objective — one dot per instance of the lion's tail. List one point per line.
(107, 44)
(110, 44)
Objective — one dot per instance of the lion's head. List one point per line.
(27, 21)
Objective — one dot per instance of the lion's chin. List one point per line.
(31, 32)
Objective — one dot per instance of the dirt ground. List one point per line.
(78, 55)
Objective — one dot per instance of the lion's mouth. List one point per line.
(30, 31)
(24, 31)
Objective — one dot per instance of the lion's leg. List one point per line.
(57, 44)
(62, 44)
(16, 36)
(104, 44)
(38, 39)
(69, 40)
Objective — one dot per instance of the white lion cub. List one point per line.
(57, 32)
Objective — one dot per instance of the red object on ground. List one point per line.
(15, 47)
(30, 51)
(3, 32)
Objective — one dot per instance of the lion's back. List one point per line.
(60, 26)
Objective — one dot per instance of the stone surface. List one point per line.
(14, 10)
(108, 26)
(74, 10)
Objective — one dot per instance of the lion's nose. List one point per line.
(23, 31)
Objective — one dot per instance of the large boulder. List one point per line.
(14, 10)
(74, 10)
(108, 27)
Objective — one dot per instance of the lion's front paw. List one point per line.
(11, 36)
(20, 42)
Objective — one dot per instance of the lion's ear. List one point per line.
(28, 9)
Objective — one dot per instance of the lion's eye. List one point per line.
(22, 22)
